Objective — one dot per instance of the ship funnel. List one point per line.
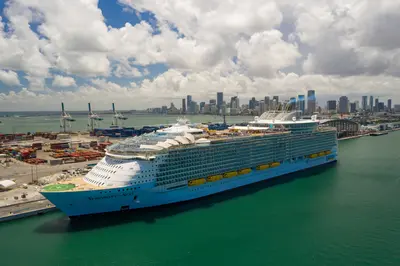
(90, 108)
(113, 107)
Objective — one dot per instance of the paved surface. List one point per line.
(24, 208)
(25, 173)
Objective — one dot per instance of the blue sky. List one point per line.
(115, 16)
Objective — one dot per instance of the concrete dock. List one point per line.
(25, 209)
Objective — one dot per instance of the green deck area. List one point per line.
(59, 187)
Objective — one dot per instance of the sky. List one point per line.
(148, 53)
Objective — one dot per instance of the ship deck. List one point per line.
(73, 184)
(213, 136)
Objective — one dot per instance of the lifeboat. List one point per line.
(312, 156)
(322, 153)
(262, 167)
(214, 178)
(327, 152)
(275, 164)
(244, 171)
(196, 182)
(230, 174)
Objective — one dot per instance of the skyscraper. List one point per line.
(262, 107)
(343, 105)
(381, 107)
(194, 107)
(188, 102)
(267, 103)
(376, 108)
(311, 102)
(252, 103)
(202, 105)
(235, 102)
(275, 103)
(183, 106)
(331, 106)
(302, 103)
(353, 107)
(292, 104)
(357, 105)
(220, 99)
(389, 105)
(371, 103)
(364, 103)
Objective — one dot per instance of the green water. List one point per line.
(347, 214)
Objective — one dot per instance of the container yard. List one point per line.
(52, 148)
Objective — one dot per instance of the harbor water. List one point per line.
(345, 214)
(50, 121)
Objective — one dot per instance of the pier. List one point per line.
(25, 209)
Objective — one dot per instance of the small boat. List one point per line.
(375, 134)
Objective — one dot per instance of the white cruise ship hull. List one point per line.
(77, 203)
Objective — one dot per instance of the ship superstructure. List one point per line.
(183, 163)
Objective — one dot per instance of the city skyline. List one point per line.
(307, 105)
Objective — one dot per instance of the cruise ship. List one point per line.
(183, 163)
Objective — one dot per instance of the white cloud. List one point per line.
(61, 81)
(349, 38)
(124, 69)
(36, 83)
(265, 53)
(9, 78)
(246, 47)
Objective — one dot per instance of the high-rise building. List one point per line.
(276, 98)
(344, 105)
(381, 106)
(376, 108)
(252, 103)
(302, 103)
(267, 103)
(213, 102)
(357, 105)
(220, 99)
(311, 102)
(364, 103)
(331, 105)
(292, 104)
(371, 103)
(188, 102)
(235, 102)
(183, 106)
(285, 105)
(262, 107)
(202, 105)
(194, 107)
(353, 107)
(389, 105)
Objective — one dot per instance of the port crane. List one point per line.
(93, 119)
(65, 119)
(117, 116)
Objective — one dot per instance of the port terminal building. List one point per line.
(345, 128)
